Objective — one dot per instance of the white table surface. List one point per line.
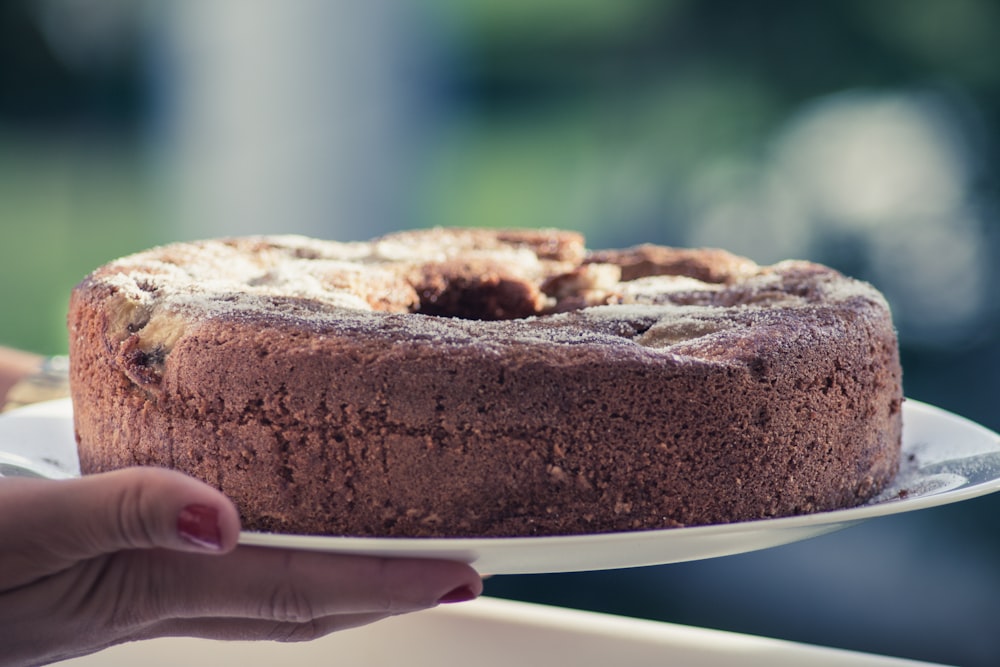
(493, 633)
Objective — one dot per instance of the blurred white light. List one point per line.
(936, 275)
(887, 174)
(304, 116)
(749, 212)
(863, 158)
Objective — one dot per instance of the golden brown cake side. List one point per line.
(738, 392)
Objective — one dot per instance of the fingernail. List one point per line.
(199, 525)
(460, 594)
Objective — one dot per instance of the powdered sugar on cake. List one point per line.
(290, 276)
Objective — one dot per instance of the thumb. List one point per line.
(142, 508)
(62, 522)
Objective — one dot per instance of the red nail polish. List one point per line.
(460, 594)
(199, 525)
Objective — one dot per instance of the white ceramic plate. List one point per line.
(947, 459)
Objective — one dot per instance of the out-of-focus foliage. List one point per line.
(631, 121)
(616, 123)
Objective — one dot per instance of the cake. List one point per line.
(464, 382)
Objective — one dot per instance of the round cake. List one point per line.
(462, 382)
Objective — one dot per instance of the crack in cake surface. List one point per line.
(298, 277)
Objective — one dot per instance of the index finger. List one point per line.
(297, 586)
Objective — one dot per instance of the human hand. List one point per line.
(140, 553)
(15, 365)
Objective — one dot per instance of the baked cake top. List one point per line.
(494, 287)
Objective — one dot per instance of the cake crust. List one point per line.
(478, 383)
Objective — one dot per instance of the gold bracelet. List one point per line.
(49, 382)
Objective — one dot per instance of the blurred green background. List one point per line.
(862, 134)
